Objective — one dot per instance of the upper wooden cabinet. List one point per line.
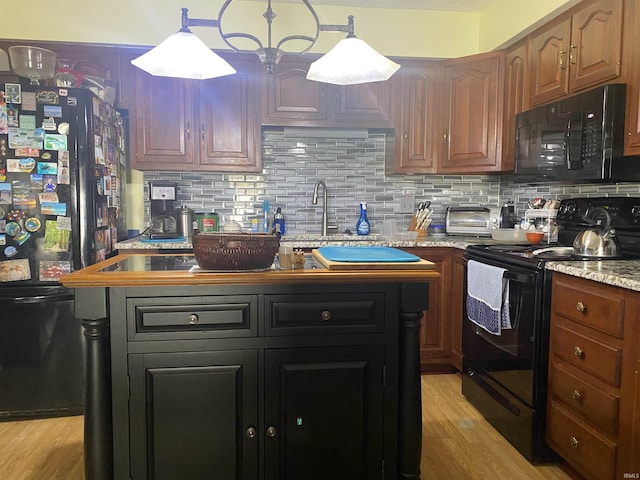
(515, 98)
(632, 57)
(576, 52)
(204, 125)
(292, 100)
(472, 114)
(415, 91)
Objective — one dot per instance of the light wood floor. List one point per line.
(457, 443)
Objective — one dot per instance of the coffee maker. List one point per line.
(162, 197)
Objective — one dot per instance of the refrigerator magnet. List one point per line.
(10, 251)
(48, 124)
(3, 239)
(47, 96)
(22, 237)
(32, 224)
(12, 228)
(2, 212)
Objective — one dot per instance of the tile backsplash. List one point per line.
(353, 167)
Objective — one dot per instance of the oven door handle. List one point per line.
(519, 277)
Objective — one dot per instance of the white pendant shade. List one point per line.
(350, 62)
(183, 55)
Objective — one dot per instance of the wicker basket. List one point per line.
(234, 251)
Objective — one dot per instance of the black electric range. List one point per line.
(505, 375)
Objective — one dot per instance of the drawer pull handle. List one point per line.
(271, 431)
(193, 319)
(581, 307)
(251, 432)
(577, 351)
(325, 315)
(574, 442)
(576, 395)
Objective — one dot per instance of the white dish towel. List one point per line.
(487, 297)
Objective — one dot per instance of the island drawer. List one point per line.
(585, 302)
(329, 313)
(598, 407)
(592, 454)
(192, 317)
(589, 354)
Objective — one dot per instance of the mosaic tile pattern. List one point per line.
(353, 170)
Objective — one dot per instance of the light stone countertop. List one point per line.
(315, 241)
(620, 273)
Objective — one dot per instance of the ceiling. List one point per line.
(451, 5)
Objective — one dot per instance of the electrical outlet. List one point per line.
(407, 204)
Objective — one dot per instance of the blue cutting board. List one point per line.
(366, 254)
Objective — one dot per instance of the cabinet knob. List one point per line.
(271, 431)
(576, 395)
(577, 351)
(561, 59)
(188, 130)
(581, 307)
(251, 432)
(325, 315)
(574, 442)
(193, 319)
(202, 130)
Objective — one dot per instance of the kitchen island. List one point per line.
(275, 374)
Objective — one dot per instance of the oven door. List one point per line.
(509, 358)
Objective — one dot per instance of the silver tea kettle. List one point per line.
(600, 241)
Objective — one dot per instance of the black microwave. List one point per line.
(579, 139)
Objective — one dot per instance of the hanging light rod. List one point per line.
(183, 55)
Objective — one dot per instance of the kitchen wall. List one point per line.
(391, 31)
(352, 165)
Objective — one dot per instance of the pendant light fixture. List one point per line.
(183, 55)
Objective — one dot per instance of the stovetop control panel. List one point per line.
(621, 212)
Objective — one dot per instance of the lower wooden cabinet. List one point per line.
(441, 329)
(594, 389)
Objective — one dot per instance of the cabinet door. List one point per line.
(631, 41)
(164, 127)
(191, 415)
(435, 328)
(457, 307)
(548, 63)
(415, 119)
(324, 413)
(473, 114)
(229, 120)
(596, 44)
(290, 99)
(367, 104)
(514, 100)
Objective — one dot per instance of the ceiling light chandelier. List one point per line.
(183, 55)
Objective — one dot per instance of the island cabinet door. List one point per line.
(324, 414)
(194, 415)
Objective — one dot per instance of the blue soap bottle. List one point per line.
(362, 226)
(278, 221)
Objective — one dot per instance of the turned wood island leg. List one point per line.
(414, 300)
(98, 437)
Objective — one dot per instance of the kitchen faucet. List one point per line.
(314, 200)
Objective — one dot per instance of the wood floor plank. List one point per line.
(456, 443)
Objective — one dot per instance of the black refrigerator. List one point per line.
(62, 189)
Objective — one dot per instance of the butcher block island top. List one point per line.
(181, 269)
(312, 371)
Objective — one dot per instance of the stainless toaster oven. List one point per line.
(473, 221)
